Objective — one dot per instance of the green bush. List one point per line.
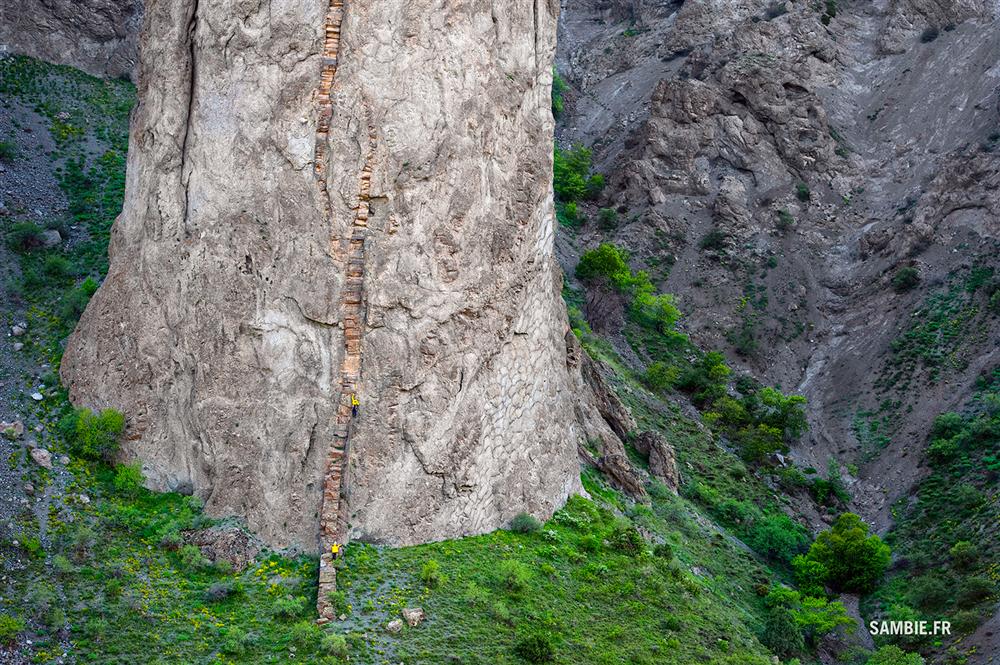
(8, 151)
(572, 179)
(305, 635)
(339, 602)
(430, 573)
(76, 301)
(10, 628)
(905, 279)
(627, 540)
(660, 376)
(525, 523)
(220, 591)
(893, 655)
(930, 592)
(607, 218)
(535, 648)
(802, 192)
(559, 88)
(606, 261)
(191, 558)
(713, 240)
(24, 236)
(781, 634)
(974, 590)
(288, 607)
(95, 435)
(335, 645)
(778, 537)
(57, 267)
(514, 576)
(128, 479)
(964, 554)
(785, 220)
(663, 551)
(854, 560)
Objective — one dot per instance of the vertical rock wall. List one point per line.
(313, 214)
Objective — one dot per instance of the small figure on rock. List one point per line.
(354, 406)
(335, 550)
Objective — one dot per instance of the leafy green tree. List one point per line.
(606, 261)
(817, 617)
(854, 560)
(571, 177)
(756, 443)
(781, 634)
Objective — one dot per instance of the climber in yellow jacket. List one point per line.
(354, 406)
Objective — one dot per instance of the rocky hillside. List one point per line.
(817, 184)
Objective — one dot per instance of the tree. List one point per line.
(778, 537)
(817, 617)
(810, 575)
(781, 635)
(606, 261)
(854, 560)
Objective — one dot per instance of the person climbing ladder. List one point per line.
(354, 406)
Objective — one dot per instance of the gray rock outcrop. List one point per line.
(326, 202)
(98, 36)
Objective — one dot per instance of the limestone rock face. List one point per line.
(98, 36)
(325, 201)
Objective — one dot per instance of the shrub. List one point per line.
(890, 654)
(24, 236)
(854, 560)
(973, 591)
(757, 443)
(288, 607)
(525, 523)
(430, 573)
(627, 540)
(559, 88)
(335, 645)
(514, 576)
(305, 635)
(966, 621)
(8, 151)
(339, 603)
(572, 179)
(713, 240)
(96, 435)
(964, 554)
(663, 551)
(929, 592)
(802, 192)
(62, 566)
(905, 279)
(781, 635)
(219, 591)
(778, 536)
(607, 218)
(607, 261)
(661, 376)
(590, 543)
(535, 648)
(76, 300)
(57, 267)
(660, 311)
(191, 558)
(785, 220)
(10, 628)
(128, 479)
(947, 425)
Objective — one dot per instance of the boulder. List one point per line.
(414, 615)
(394, 626)
(12, 430)
(51, 238)
(662, 460)
(42, 457)
(226, 543)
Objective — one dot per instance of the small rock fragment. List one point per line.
(38, 397)
(395, 626)
(42, 457)
(18, 346)
(64, 460)
(29, 488)
(18, 330)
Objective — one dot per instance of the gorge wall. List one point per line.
(98, 36)
(328, 200)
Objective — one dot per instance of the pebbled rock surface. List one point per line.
(98, 36)
(219, 330)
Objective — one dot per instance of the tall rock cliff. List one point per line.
(98, 36)
(328, 200)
